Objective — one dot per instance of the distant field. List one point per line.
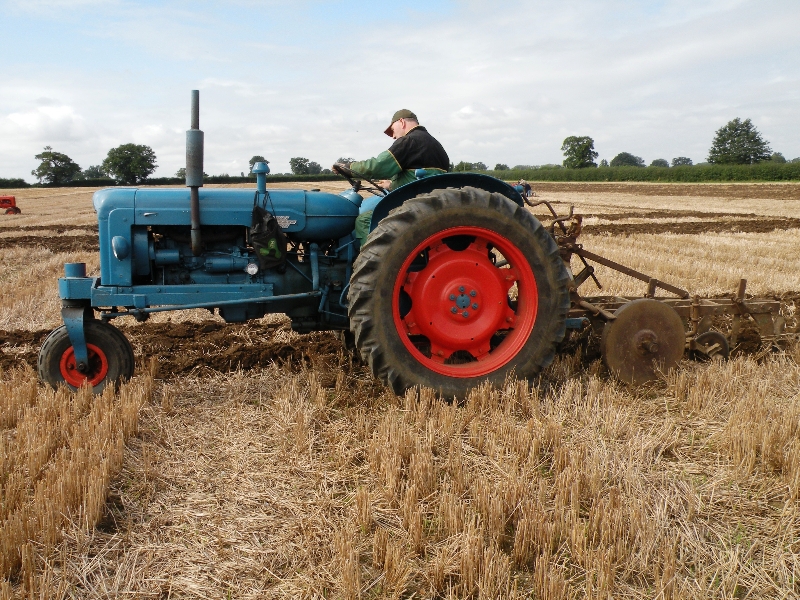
(267, 464)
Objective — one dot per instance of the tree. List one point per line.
(181, 173)
(579, 152)
(523, 167)
(681, 161)
(738, 143)
(130, 163)
(795, 160)
(255, 159)
(55, 167)
(626, 159)
(659, 162)
(479, 166)
(303, 166)
(500, 167)
(94, 172)
(345, 161)
(777, 157)
(462, 167)
(299, 165)
(604, 163)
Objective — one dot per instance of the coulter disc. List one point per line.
(646, 337)
(711, 344)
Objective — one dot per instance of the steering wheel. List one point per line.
(355, 180)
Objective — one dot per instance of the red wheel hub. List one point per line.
(462, 320)
(95, 373)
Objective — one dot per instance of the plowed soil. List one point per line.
(212, 346)
(755, 225)
(191, 347)
(778, 191)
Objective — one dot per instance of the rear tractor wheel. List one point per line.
(457, 287)
(111, 358)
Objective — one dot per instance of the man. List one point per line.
(414, 148)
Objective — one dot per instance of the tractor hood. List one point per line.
(304, 215)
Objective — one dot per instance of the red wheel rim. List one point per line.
(454, 308)
(98, 367)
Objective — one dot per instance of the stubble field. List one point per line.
(247, 461)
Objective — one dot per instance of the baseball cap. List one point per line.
(400, 114)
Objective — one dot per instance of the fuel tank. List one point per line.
(303, 215)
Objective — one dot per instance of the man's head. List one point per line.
(403, 121)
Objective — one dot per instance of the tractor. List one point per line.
(457, 283)
(8, 205)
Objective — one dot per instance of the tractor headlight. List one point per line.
(251, 268)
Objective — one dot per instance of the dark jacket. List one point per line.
(417, 149)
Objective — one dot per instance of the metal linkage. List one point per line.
(696, 313)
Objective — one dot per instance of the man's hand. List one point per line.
(385, 183)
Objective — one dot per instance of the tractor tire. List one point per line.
(111, 358)
(17, 210)
(428, 305)
(10, 211)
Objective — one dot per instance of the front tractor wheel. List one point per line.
(110, 358)
(457, 287)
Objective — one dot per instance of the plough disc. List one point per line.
(711, 344)
(647, 336)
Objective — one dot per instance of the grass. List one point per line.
(314, 485)
(318, 482)
(58, 453)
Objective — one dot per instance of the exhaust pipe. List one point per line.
(194, 170)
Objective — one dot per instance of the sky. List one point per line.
(499, 81)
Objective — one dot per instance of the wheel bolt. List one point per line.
(475, 306)
(452, 296)
(473, 293)
(454, 310)
(465, 314)
(461, 288)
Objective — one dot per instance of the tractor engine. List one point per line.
(146, 243)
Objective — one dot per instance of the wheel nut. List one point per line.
(452, 296)
(465, 314)
(475, 306)
(461, 288)
(454, 310)
(473, 293)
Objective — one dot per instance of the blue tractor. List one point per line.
(456, 284)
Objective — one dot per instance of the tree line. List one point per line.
(128, 164)
(737, 143)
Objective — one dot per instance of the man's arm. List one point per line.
(383, 166)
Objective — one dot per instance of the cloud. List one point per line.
(504, 81)
(46, 123)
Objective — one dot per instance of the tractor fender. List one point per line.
(435, 182)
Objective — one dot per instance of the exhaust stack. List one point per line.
(194, 170)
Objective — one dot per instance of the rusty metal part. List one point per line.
(765, 312)
(647, 336)
(696, 314)
(711, 344)
(596, 310)
(630, 272)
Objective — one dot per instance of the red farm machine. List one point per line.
(8, 205)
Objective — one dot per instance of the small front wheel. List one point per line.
(110, 358)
